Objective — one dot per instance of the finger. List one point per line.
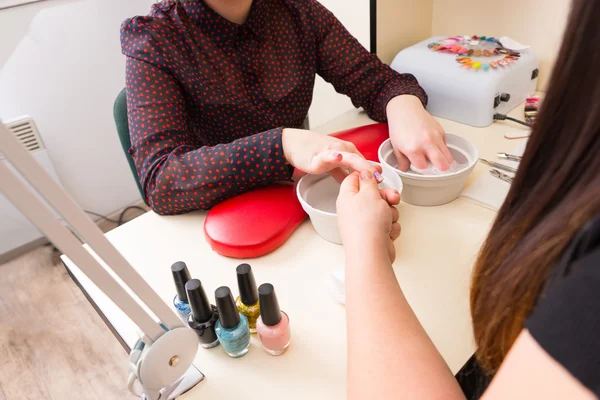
(350, 185)
(347, 147)
(325, 161)
(395, 214)
(368, 185)
(358, 163)
(391, 196)
(446, 152)
(331, 159)
(417, 159)
(437, 158)
(339, 174)
(403, 162)
(396, 230)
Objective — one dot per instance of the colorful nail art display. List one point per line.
(468, 47)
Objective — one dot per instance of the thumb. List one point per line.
(368, 184)
(351, 184)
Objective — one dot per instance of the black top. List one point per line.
(228, 313)
(269, 306)
(246, 284)
(199, 304)
(566, 320)
(180, 275)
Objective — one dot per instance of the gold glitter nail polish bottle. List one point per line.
(247, 302)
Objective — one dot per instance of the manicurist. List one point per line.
(535, 288)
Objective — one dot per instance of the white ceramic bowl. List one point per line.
(318, 195)
(433, 190)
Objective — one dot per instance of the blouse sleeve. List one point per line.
(353, 71)
(177, 171)
(566, 321)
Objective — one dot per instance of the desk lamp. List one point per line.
(163, 362)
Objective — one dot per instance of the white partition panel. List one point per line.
(327, 103)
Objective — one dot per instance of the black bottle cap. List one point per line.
(201, 310)
(269, 306)
(246, 284)
(228, 313)
(180, 275)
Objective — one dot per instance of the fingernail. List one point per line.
(378, 176)
(366, 175)
(336, 155)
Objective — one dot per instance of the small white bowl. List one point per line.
(318, 195)
(433, 190)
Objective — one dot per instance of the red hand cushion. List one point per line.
(254, 223)
(257, 222)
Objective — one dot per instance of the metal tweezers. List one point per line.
(510, 157)
(498, 165)
(501, 176)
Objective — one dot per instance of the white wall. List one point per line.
(61, 63)
(539, 23)
(400, 24)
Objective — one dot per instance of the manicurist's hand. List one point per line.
(367, 220)
(416, 135)
(315, 153)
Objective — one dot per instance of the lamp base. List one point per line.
(192, 377)
(164, 369)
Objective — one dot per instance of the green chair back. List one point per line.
(120, 114)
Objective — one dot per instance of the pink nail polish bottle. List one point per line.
(273, 325)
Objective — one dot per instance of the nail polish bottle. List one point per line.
(273, 325)
(204, 315)
(247, 302)
(181, 275)
(232, 327)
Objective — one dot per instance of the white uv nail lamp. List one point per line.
(162, 364)
(470, 95)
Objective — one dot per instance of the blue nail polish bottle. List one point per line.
(181, 275)
(232, 327)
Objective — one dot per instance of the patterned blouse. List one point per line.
(208, 98)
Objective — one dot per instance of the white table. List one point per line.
(435, 255)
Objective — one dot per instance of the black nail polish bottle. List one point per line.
(204, 316)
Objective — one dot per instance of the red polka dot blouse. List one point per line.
(207, 98)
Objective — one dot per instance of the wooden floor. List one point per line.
(53, 345)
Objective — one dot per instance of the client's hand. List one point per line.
(367, 220)
(315, 153)
(416, 135)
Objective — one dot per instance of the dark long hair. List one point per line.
(555, 192)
